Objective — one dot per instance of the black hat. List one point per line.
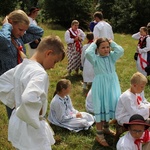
(138, 120)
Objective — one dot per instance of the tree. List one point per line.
(63, 12)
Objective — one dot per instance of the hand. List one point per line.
(5, 20)
(78, 115)
(76, 38)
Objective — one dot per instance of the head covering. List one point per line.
(138, 120)
(33, 9)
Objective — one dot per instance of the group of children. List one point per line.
(25, 88)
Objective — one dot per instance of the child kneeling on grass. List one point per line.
(25, 87)
(132, 101)
(138, 135)
(62, 112)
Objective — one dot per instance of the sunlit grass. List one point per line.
(84, 140)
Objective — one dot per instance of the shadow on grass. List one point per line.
(74, 78)
(62, 134)
(110, 139)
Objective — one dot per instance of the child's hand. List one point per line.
(5, 20)
(110, 40)
(78, 115)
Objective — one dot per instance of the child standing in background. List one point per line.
(105, 87)
(25, 87)
(88, 72)
(143, 51)
(62, 112)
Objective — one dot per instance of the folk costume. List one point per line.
(63, 114)
(74, 48)
(89, 103)
(130, 104)
(11, 48)
(127, 142)
(9, 53)
(143, 59)
(104, 95)
(103, 29)
(88, 71)
(22, 87)
(135, 139)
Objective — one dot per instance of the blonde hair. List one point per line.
(74, 22)
(18, 16)
(138, 78)
(52, 43)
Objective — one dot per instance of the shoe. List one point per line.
(101, 140)
(109, 132)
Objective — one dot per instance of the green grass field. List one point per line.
(84, 140)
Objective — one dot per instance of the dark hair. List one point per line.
(90, 36)
(99, 14)
(62, 84)
(32, 10)
(101, 40)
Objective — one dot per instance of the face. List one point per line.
(104, 49)
(75, 26)
(136, 130)
(51, 59)
(67, 91)
(138, 88)
(19, 29)
(35, 14)
(142, 32)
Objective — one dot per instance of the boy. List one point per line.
(132, 101)
(88, 71)
(25, 87)
(136, 135)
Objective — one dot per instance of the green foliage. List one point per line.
(7, 6)
(126, 16)
(63, 12)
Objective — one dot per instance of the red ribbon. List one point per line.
(145, 139)
(142, 61)
(19, 49)
(139, 99)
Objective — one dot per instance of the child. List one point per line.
(136, 136)
(25, 87)
(74, 37)
(142, 54)
(89, 103)
(132, 101)
(15, 32)
(105, 86)
(62, 112)
(88, 72)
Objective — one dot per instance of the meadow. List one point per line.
(84, 140)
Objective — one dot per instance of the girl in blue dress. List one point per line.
(103, 54)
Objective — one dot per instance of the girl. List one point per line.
(62, 112)
(143, 51)
(14, 34)
(74, 37)
(105, 86)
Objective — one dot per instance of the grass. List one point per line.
(84, 140)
